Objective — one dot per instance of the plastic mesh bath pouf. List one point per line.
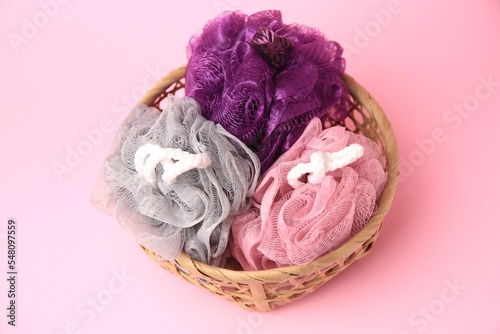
(174, 180)
(293, 222)
(264, 80)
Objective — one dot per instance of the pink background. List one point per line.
(435, 266)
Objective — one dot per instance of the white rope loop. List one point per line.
(174, 161)
(322, 163)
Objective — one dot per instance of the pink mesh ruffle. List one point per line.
(288, 226)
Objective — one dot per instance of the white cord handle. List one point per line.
(174, 161)
(323, 162)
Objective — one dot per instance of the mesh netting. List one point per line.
(288, 226)
(264, 80)
(195, 211)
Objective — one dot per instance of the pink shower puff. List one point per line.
(288, 226)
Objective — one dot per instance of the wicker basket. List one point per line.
(266, 290)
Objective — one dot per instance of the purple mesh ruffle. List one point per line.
(264, 80)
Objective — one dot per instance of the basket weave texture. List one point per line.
(266, 290)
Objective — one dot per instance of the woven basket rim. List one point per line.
(338, 254)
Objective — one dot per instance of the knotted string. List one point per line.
(271, 46)
(174, 162)
(323, 162)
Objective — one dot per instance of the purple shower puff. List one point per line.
(264, 80)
